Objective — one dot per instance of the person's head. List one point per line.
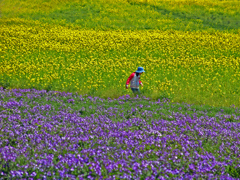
(140, 70)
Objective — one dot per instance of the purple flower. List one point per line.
(33, 174)
(70, 101)
(112, 143)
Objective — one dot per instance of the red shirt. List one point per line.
(134, 80)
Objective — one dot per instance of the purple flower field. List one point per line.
(57, 135)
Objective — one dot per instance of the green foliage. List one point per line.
(136, 15)
(4, 83)
(233, 172)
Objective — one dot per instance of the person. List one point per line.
(134, 80)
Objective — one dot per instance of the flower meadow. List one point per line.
(64, 109)
(92, 47)
(59, 135)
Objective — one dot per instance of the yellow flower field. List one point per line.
(199, 67)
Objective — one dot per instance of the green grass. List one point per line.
(132, 15)
(163, 109)
(140, 16)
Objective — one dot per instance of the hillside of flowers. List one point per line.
(93, 46)
(65, 112)
(57, 135)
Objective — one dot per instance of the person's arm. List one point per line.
(129, 79)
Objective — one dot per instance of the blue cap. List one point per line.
(140, 70)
